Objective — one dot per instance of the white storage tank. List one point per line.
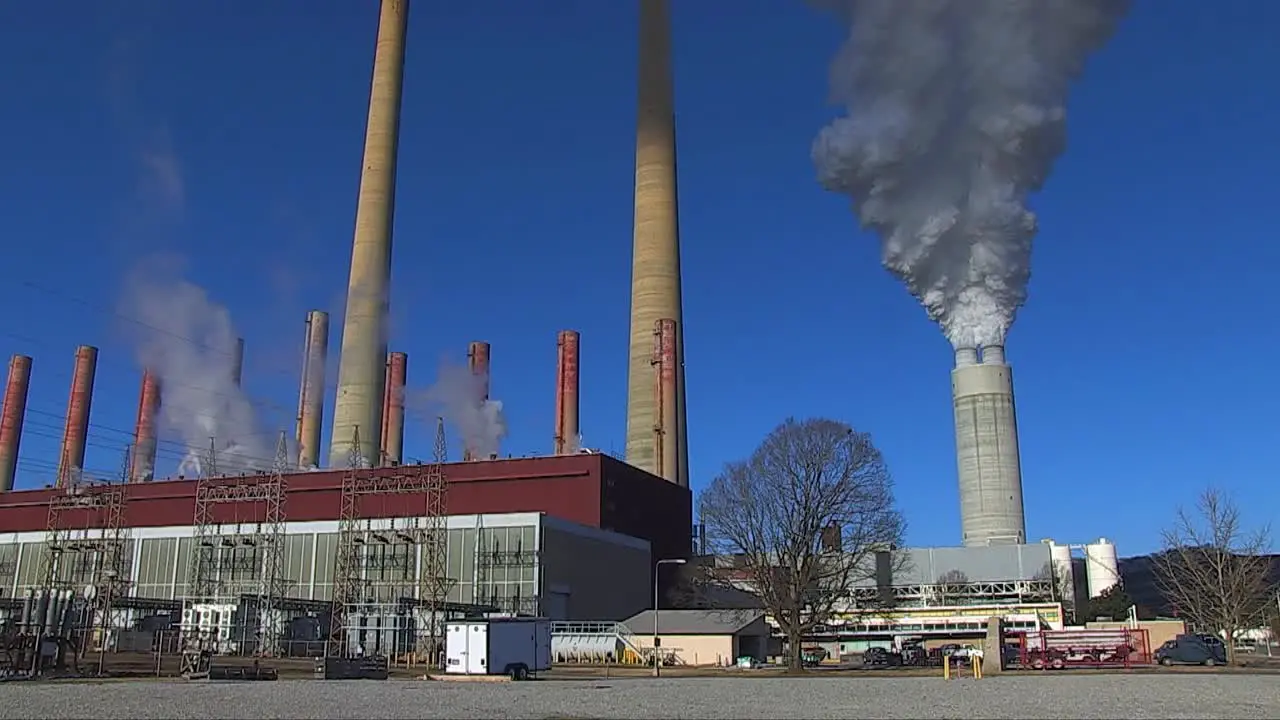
(1101, 566)
(1063, 576)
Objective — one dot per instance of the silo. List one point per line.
(1063, 577)
(1101, 566)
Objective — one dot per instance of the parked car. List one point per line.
(878, 656)
(1191, 650)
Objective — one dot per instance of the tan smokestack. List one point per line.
(478, 362)
(393, 409)
(11, 417)
(144, 434)
(315, 353)
(237, 363)
(655, 269)
(364, 329)
(665, 426)
(76, 431)
(567, 433)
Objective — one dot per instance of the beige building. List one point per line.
(1158, 631)
(702, 637)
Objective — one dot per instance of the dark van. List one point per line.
(1191, 650)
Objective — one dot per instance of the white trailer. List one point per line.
(515, 646)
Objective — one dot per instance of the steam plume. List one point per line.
(458, 396)
(189, 342)
(955, 114)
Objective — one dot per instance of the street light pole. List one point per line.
(657, 661)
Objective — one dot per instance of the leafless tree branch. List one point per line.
(1215, 572)
(807, 517)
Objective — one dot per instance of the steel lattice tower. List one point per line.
(420, 526)
(218, 557)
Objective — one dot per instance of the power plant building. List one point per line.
(569, 537)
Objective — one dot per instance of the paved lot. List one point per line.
(1048, 696)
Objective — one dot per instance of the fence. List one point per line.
(1060, 649)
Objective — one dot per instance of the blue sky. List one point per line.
(1144, 360)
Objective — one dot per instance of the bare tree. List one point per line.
(1213, 571)
(807, 517)
(1061, 588)
(951, 586)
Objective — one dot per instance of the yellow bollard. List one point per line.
(946, 667)
(976, 663)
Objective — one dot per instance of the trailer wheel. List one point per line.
(518, 672)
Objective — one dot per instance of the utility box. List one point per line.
(514, 646)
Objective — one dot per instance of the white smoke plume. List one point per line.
(458, 397)
(955, 113)
(189, 342)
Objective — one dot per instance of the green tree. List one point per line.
(1113, 603)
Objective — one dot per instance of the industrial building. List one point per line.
(339, 562)
(361, 551)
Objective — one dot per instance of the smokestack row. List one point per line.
(478, 363)
(143, 462)
(315, 351)
(76, 431)
(987, 448)
(11, 416)
(666, 401)
(361, 373)
(568, 435)
(655, 271)
(393, 409)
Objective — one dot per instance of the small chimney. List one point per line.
(832, 539)
(393, 409)
(144, 435)
(237, 363)
(76, 431)
(567, 432)
(666, 432)
(12, 414)
(315, 353)
(478, 362)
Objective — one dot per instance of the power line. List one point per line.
(259, 403)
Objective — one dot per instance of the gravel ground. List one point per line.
(1047, 696)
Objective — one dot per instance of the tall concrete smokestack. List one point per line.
(76, 431)
(393, 409)
(311, 395)
(478, 362)
(364, 328)
(143, 467)
(11, 417)
(987, 449)
(568, 435)
(655, 268)
(666, 402)
(237, 363)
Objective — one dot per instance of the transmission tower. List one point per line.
(209, 466)
(361, 578)
(245, 566)
(86, 541)
(433, 578)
